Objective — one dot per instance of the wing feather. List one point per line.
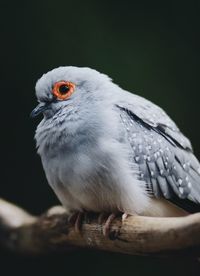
(163, 154)
(156, 117)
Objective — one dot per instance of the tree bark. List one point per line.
(51, 232)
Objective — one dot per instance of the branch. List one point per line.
(51, 232)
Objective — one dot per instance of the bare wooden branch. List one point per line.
(23, 233)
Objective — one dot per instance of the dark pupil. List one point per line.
(63, 89)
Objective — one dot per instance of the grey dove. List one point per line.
(104, 149)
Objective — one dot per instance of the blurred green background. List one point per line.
(147, 47)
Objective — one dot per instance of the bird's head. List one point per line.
(68, 87)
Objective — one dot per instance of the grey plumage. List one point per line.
(167, 167)
(105, 149)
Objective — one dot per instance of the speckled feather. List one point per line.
(168, 169)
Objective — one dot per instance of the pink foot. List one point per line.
(108, 220)
(106, 228)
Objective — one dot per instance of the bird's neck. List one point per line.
(65, 133)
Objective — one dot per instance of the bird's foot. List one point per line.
(76, 219)
(124, 216)
(108, 221)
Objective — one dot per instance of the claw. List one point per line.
(106, 227)
(76, 219)
(124, 217)
(109, 220)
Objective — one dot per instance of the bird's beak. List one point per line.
(39, 109)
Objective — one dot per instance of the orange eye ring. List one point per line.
(63, 89)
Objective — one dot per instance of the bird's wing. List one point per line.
(163, 154)
(154, 116)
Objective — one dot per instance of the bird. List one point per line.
(106, 150)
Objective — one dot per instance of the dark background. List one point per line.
(150, 48)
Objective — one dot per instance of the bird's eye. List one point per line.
(63, 89)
